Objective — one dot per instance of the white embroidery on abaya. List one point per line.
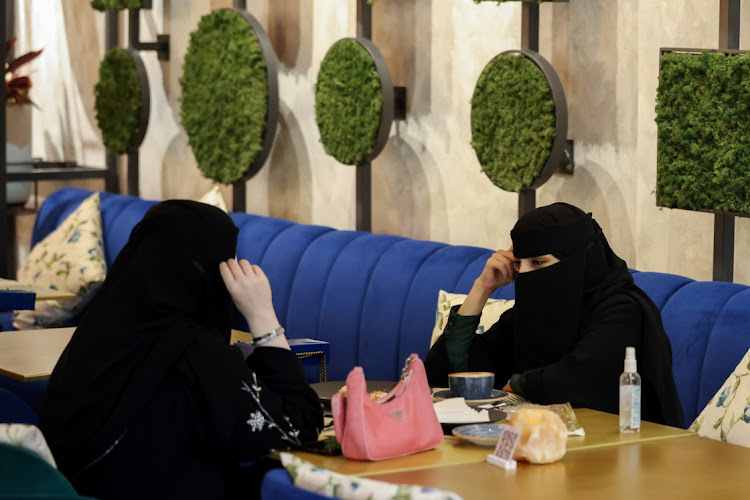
(260, 418)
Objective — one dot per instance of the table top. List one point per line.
(697, 468)
(602, 431)
(28, 355)
(42, 293)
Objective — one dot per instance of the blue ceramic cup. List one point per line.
(471, 385)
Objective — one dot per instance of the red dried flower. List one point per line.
(17, 86)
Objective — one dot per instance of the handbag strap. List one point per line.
(406, 370)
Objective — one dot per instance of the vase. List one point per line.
(18, 149)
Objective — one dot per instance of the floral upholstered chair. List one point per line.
(727, 416)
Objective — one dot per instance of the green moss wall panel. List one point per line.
(703, 148)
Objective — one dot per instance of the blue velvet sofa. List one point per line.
(373, 296)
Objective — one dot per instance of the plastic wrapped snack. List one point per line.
(566, 414)
(543, 435)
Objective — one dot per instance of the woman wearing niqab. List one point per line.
(149, 400)
(576, 310)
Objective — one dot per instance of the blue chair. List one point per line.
(14, 410)
(278, 485)
(25, 475)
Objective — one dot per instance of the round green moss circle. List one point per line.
(512, 121)
(224, 101)
(348, 102)
(118, 100)
(116, 4)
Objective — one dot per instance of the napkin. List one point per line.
(456, 411)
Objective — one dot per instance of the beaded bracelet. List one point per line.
(259, 341)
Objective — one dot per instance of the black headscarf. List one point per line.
(586, 260)
(163, 292)
(554, 302)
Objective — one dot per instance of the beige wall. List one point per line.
(427, 182)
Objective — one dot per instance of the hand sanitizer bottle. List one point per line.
(630, 394)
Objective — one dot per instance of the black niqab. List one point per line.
(152, 306)
(549, 301)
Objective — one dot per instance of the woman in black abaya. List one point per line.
(149, 400)
(576, 311)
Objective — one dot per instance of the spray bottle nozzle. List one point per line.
(630, 362)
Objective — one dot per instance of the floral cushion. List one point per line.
(214, 198)
(326, 482)
(490, 313)
(29, 437)
(69, 259)
(727, 415)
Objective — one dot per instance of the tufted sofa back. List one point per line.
(373, 297)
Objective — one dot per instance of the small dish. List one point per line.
(495, 396)
(481, 434)
(493, 414)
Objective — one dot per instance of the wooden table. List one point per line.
(696, 468)
(42, 293)
(602, 431)
(28, 355)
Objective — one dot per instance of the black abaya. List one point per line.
(149, 400)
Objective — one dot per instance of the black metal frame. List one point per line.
(111, 40)
(239, 201)
(145, 113)
(7, 244)
(562, 146)
(363, 180)
(394, 108)
(143, 119)
(729, 38)
(161, 45)
(386, 86)
(41, 171)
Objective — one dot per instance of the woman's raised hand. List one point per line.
(251, 292)
(498, 271)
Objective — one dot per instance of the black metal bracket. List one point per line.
(161, 45)
(567, 163)
(399, 103)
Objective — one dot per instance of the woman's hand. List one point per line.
(251, 292)
(498, 271)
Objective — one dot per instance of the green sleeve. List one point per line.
(459, 334)
(518, 383)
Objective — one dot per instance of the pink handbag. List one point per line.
(399, 424)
